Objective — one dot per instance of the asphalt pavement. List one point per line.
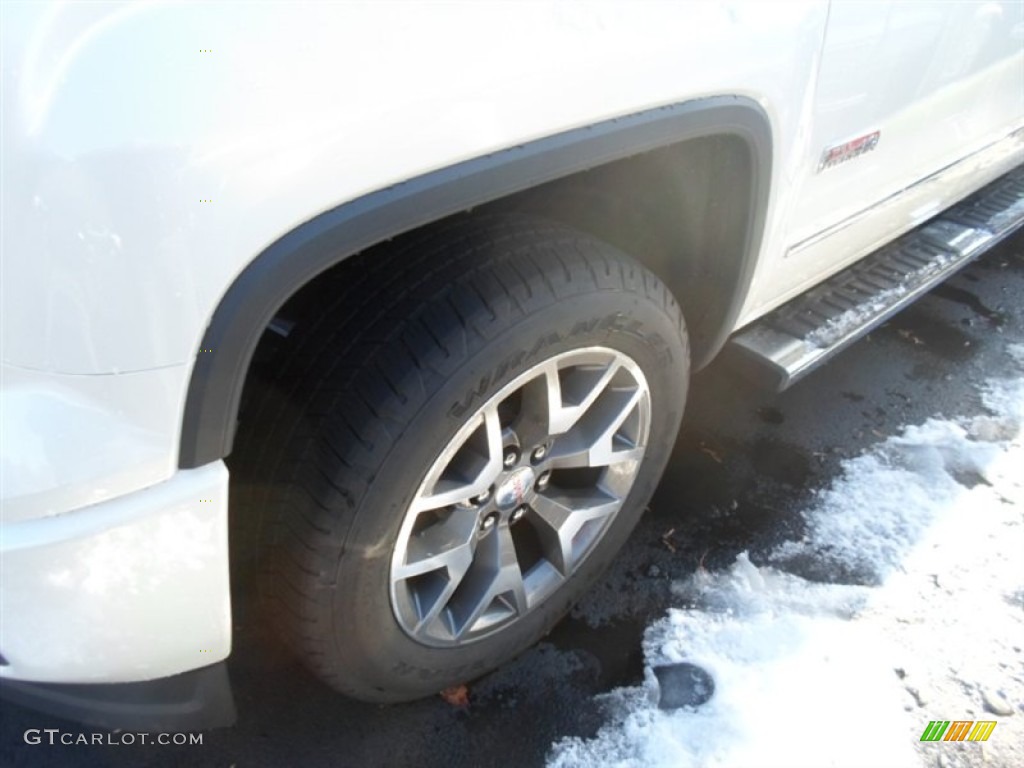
(746, 463)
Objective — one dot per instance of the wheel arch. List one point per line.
(298, 257)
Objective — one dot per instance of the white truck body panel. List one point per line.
(298, 109)
(135, 588)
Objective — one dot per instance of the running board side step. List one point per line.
(792, 340)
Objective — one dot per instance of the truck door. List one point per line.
(905, 90)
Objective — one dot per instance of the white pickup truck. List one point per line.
(435, 275)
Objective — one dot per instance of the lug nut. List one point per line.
(511, 457)
(543, 480)
(539, 453)
(482, 498)
(518, 514)
(488, 522)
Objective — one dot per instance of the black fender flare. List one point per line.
(262, 288)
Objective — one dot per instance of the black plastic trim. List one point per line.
(261, 289)
(192, 701)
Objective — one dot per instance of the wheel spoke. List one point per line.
(560, 519)
(443, 552)
(447, 544)
(561, 416)
(446, 487)
(500, 591)
(431, 614)
(595, 442)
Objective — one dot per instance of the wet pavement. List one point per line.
(746, 463)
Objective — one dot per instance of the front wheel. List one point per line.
(483, 421)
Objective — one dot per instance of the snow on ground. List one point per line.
(931, 523)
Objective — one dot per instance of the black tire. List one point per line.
(370, 392)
